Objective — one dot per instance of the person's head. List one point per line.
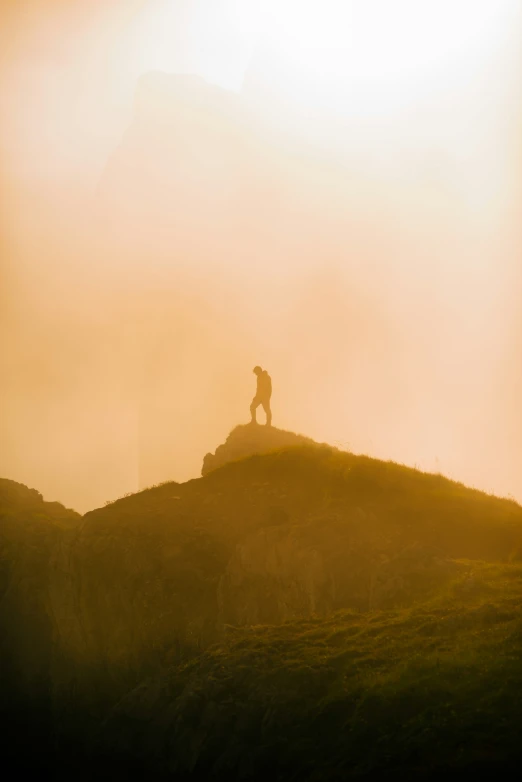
(257, 370)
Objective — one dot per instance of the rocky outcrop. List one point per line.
(250, 439)
(15, 498)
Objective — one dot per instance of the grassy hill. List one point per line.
(280, 611)
(426, 692)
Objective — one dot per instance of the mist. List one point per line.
(173, 215)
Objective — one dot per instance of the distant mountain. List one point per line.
(273, 614)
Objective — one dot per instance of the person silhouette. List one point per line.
(263, 394)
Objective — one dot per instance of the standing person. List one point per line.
(263, 394)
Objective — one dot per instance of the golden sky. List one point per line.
(333, 194)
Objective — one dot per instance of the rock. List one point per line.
(250, 439)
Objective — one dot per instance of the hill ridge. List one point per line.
(148, 588)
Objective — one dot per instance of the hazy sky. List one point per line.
(337, 199)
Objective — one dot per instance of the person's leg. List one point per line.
(266, 408)
(255, 404)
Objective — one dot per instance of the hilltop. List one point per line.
(301, 586)
(249, 439)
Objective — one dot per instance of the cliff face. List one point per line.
(31, 533)
(92, 606)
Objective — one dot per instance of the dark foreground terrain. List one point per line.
(299, 614)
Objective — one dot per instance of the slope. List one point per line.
(153, 581)
(421, 693)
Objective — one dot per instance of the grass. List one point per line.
(414, 692)
(402, 659)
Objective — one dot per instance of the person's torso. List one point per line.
(264, 384)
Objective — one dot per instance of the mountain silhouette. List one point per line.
(236, 625)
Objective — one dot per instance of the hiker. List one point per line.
(263, 394)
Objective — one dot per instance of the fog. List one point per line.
(183, 201)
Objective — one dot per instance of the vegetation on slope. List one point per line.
(91, 607)
(413, 693)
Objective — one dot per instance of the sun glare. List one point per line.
(373, 48)
(348, 218)
(378, 48)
